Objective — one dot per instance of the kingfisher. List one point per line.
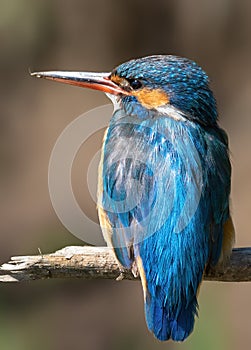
(164, 182)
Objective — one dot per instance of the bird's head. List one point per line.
(165, 84)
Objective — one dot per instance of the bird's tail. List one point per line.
(168, 322)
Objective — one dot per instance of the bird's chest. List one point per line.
(143, 161)
(158, 145)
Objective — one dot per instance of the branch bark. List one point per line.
(99, 262)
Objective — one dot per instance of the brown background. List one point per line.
(96, 36)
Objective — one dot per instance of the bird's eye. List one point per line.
(135, 84)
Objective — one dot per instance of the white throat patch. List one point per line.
(116, 101)
(172, 112)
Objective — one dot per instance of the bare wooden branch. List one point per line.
(99, 262)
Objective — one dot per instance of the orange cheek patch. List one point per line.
(151, 98)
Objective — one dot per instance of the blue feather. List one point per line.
(166, 191)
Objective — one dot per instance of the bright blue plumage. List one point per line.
(164, 182)
(166, 188)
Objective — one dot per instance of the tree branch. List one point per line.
(99, 262)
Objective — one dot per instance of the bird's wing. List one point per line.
(128, 197)
(218, 182)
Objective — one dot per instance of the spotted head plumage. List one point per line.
(157, 81)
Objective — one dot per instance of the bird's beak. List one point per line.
(96, 81)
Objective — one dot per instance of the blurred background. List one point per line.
(96, 36)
